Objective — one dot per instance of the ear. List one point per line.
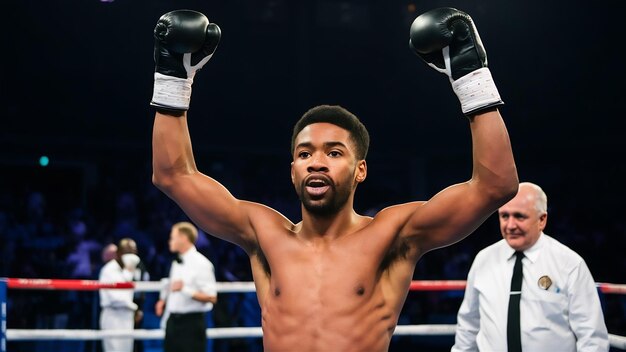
(543, 220)
(361, 171)
(293, 175)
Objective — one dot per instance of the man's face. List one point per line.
(325, 171)
(175, 240)
(521, 223)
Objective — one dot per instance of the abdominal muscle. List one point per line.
(311, 318)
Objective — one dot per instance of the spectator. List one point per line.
(118, 311)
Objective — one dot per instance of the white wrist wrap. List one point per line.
(171, 92)
(188, 291)
(476, 90)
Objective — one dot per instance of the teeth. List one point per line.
(317, 183)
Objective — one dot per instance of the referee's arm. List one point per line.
(207, 286)
(468, 318)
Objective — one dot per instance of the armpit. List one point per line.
(399, 250)
(260, 257)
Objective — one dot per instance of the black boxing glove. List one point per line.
(184, 41)
(447, 40)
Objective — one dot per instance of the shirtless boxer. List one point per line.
(337, 280)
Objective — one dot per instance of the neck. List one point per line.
(185, 249)
(330, 226)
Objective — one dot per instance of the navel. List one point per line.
(277, 292)
(360, 290)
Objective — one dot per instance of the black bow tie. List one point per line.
(178, 259)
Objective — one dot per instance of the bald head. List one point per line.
(524, 217)
(109, 252)
(532, 193)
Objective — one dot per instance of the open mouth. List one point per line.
(317, 186)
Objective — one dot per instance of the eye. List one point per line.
(334, 154)
(304, 155)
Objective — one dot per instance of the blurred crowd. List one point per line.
(43, 239)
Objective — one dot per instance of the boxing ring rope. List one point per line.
(616, 341)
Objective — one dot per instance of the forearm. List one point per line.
(494, 168)
(172, 153)
(199, 295)
(203, 297)
(448, 41)
(120, 300)
(188, 31)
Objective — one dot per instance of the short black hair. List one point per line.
(338, 116)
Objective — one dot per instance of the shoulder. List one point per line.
(263, 212)
(396, 214)
(264, 218)
(201, 259)
(399, 209)
(109, 268)
(110, 265)
(565, 255)
(489, 253)
(488, 256)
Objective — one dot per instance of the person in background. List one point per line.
(108, 252)
(529, 292)
(191, 292)
(118, 311)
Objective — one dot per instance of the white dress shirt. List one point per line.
(112, 272)
(567, 316)
(197, 274)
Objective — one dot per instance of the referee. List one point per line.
(190, 293)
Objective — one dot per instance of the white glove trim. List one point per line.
(191, 70)
(446, 62)
(171, 92)
(476, 90)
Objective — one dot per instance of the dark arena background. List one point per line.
(75, 139)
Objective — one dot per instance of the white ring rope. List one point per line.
(222, 287)
(223, 333)
(233, 332)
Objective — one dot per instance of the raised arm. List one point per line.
(184, 42)
(448, 41)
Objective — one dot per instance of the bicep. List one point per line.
(449, 216)
(212, 207)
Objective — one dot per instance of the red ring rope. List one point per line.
(62, 284)
(92, 285)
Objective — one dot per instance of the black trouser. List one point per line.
(185, 332)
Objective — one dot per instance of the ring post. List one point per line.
(3, 314)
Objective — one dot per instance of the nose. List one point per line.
(316, 165)
(510, 223)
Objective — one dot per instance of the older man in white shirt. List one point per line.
(118, 311)
(528, 292)
(190, 293)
